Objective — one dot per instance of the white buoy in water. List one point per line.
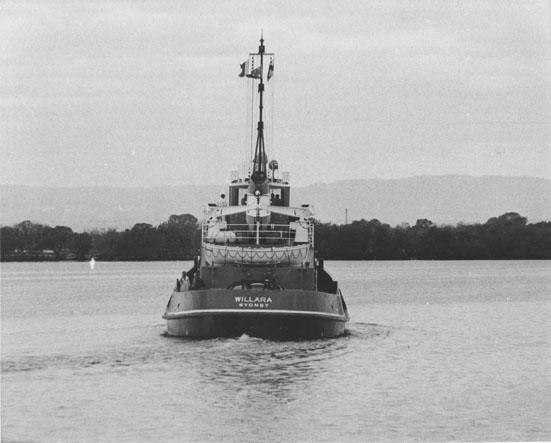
(92, 263)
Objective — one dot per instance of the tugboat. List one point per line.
(257, 273)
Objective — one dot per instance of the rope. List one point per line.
(243, 150)
(251, 82)
(272, 132)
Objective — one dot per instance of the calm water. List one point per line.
(436, 351)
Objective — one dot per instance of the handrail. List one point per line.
(272, 234)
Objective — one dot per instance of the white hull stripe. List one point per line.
(279, 312)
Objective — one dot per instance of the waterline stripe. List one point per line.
(201, 312)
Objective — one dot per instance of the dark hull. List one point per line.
(280, 315)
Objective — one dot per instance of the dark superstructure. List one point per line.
(257, 273)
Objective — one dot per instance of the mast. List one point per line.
(259, 175)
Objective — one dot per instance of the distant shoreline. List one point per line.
(507, 237)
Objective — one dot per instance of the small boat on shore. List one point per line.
(257, 273)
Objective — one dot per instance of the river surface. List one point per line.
(435, 351)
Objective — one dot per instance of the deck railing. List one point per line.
(291, 234)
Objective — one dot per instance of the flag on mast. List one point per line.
(255, 73)
(244, 68)
(271, 69)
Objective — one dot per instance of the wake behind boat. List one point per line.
(257, 273)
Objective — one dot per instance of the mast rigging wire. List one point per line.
(252, 122)
(245, 134)
(272, 89)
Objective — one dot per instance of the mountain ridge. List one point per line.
(444, 199)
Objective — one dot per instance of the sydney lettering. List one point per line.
(253, 302)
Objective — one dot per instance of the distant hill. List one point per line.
(447, 199)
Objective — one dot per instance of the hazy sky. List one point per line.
(143, 93)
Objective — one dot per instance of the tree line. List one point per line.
(505, 237)
(508, 236)
(176, 239)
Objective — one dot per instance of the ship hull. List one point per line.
(273, 314)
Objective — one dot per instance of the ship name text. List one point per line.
(253, 302)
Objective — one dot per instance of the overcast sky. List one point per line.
(146, 93)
